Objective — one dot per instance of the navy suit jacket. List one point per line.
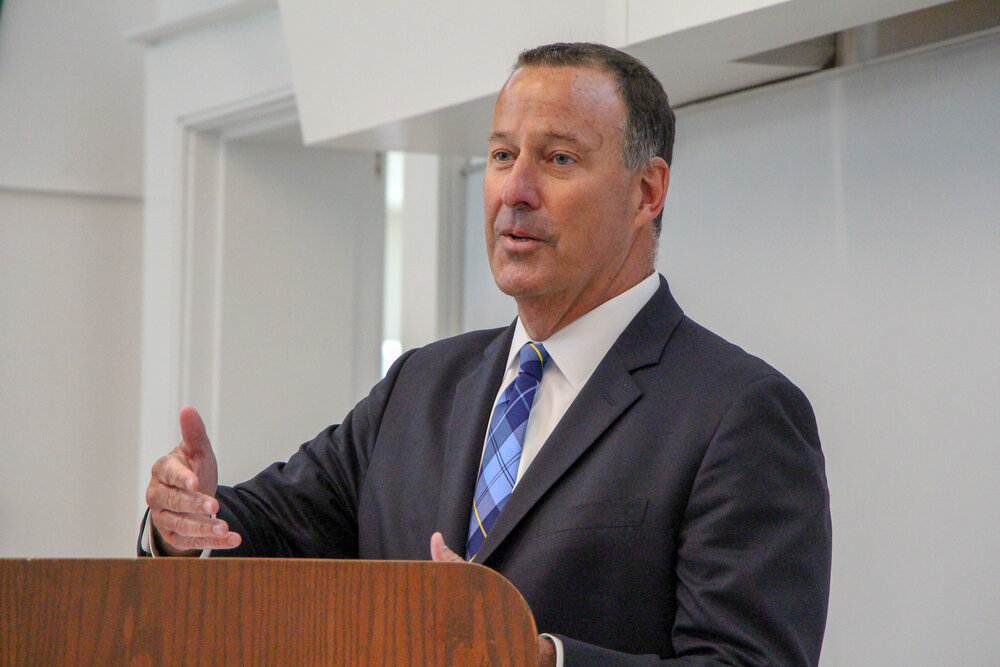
(677, 515)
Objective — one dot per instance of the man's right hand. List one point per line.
(181, 495)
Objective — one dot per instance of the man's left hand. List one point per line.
(440, 553)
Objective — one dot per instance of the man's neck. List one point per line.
(543, 317)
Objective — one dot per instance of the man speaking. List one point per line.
(657, 494)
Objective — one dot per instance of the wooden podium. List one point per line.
(232, 611)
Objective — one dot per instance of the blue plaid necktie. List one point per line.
(503, 446)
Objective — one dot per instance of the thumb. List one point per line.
(440, 553)
(194, 439)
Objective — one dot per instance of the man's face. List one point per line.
(560, 207)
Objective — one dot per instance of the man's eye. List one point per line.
(501, 156)
(562, 159)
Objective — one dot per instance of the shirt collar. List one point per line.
(578, 347)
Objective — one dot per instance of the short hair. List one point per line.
(649, 120)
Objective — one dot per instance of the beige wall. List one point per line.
(69, 374)
(70, 253)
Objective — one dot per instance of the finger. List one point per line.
(163, 497)
(173, 471)
(194, 441)
(189, 525)
(440, 553)
(230, 540)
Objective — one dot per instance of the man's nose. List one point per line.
(520, 190)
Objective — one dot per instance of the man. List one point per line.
(665, 503)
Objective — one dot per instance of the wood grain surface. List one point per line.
(252, 611)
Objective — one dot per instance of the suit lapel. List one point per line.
(606, 396)
(599, 403)
(470, 413)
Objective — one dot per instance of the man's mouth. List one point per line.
(520, 235)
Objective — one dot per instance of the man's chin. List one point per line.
(520, 287)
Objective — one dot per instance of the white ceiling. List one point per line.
(696, 63)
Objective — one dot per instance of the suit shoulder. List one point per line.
(703, 378)
(708, 362)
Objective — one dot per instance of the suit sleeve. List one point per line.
(753, 563)
(308, 507)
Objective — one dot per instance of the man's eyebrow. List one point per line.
(550, 136)
(563, 136)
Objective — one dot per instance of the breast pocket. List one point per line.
(594, 516)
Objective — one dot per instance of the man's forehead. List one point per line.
(544, 84)
(590, 70)
(565, 103)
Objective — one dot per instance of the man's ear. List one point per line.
(655, 178)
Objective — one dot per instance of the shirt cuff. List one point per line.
(148, 544)
(559, 647)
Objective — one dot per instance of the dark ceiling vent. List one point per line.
(882, 38)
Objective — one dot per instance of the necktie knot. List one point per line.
(534, 356)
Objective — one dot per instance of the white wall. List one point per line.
(483, 305)
(69, 374)
(70, 246)
(419, 254)
(300, 313)
(205, 75)
(71, 96)
(844, 227)
(262, 272)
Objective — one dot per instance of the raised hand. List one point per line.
(181, 495)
